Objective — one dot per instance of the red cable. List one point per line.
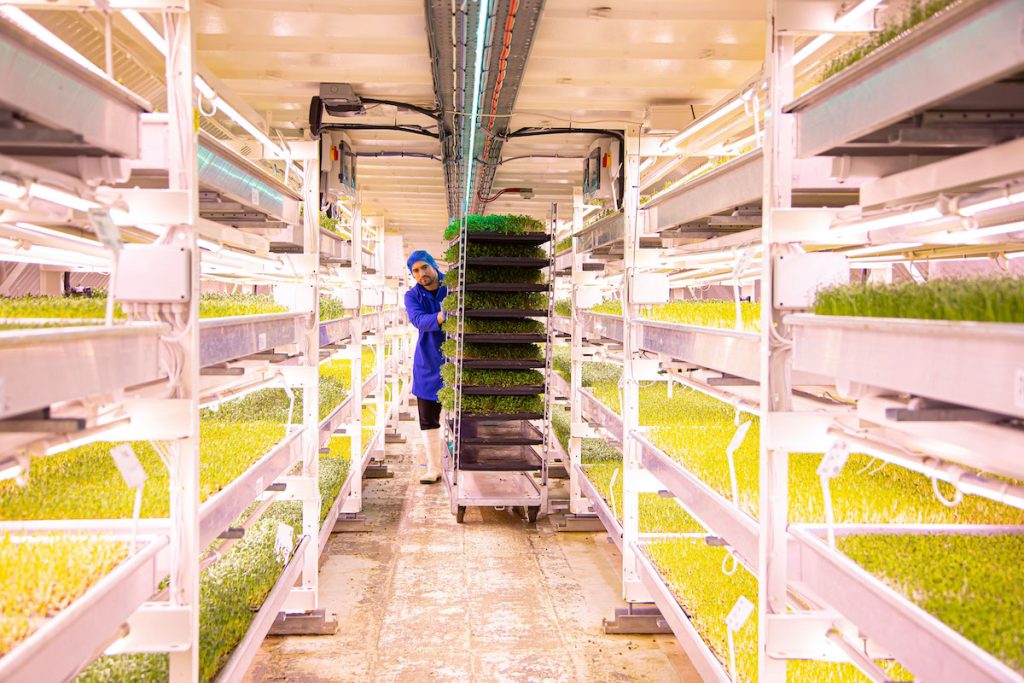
(506, 48)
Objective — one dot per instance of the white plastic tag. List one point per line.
(739, 614)
(737, 438)
(128, 465)
(105, 229)
(1018, 388)
(284, 542)
(255, 196)
(835, 459)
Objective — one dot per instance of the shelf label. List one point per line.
(739, 614)
(105, 229)
(737, 438)
(255, 196)
(128, 465)
(1018, 388)
(835, 459)
(284, 542)
(261, 340)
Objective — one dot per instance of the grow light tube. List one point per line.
(705, 121)
(11, 189)
(842, 20)
(886, 220)
(29, 25)
(935, 468)
(160, 43)
(1005, 199)
(54, 195)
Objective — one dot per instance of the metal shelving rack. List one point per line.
(241, 225)
(491, 459)
(769, 201)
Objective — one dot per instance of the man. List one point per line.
(423, 304)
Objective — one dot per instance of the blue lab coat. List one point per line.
(423, 306)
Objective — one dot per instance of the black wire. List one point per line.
(415, 130)
(432, 113)
(617, 134)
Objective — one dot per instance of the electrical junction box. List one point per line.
(149, 273)
(651, 288)
(337, 167)
(601, 170)
(798, 277)
(588, 296)
(296, 297)
(394, 256)
(348, 296)
(647, 370)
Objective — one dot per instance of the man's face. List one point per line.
(424, 273)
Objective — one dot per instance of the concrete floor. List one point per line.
(422, 598)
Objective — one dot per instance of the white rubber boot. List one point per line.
(432, 446)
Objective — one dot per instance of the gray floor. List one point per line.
(422, 598)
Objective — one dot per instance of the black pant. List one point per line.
(430, 414)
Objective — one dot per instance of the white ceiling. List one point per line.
(592, 65)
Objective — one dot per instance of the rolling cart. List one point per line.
(497, 459)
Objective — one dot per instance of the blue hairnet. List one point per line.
(421, 255)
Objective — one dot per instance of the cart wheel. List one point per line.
(532, 513)
(460, 515)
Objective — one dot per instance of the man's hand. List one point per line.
(440, 317)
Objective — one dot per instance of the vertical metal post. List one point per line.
(632, 589)
(578, 504)
(183, 174)
(311, 389)
(380, 415)
(775, 386)
(354, 502)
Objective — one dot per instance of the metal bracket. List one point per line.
(637, 620)
(155, 627)
(350, 522)
(394, 438)
(584, 523)
(377, 472)
(314, 623)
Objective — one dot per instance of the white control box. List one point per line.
(798, 277)
(153, 274)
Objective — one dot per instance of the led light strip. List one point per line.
(481, 34)
(160, 43)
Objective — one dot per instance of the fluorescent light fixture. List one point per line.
(881, 248)
(703, 122)
(647, 163)
(55, 196)
(12, 189)
(998, 229)
(146, 29)
(842, 21)
(1016, 254)
(888, 220)
(989, 204)
(810, 48)
(58, 234)
(26, 23)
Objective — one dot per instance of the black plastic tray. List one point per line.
(503, 238)
(521, 390)
(500, 417)
(505, 313)
(507, 287)
(478, 432)
(505, 338)
(494, 364)
(491, 458)
(507, 261)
